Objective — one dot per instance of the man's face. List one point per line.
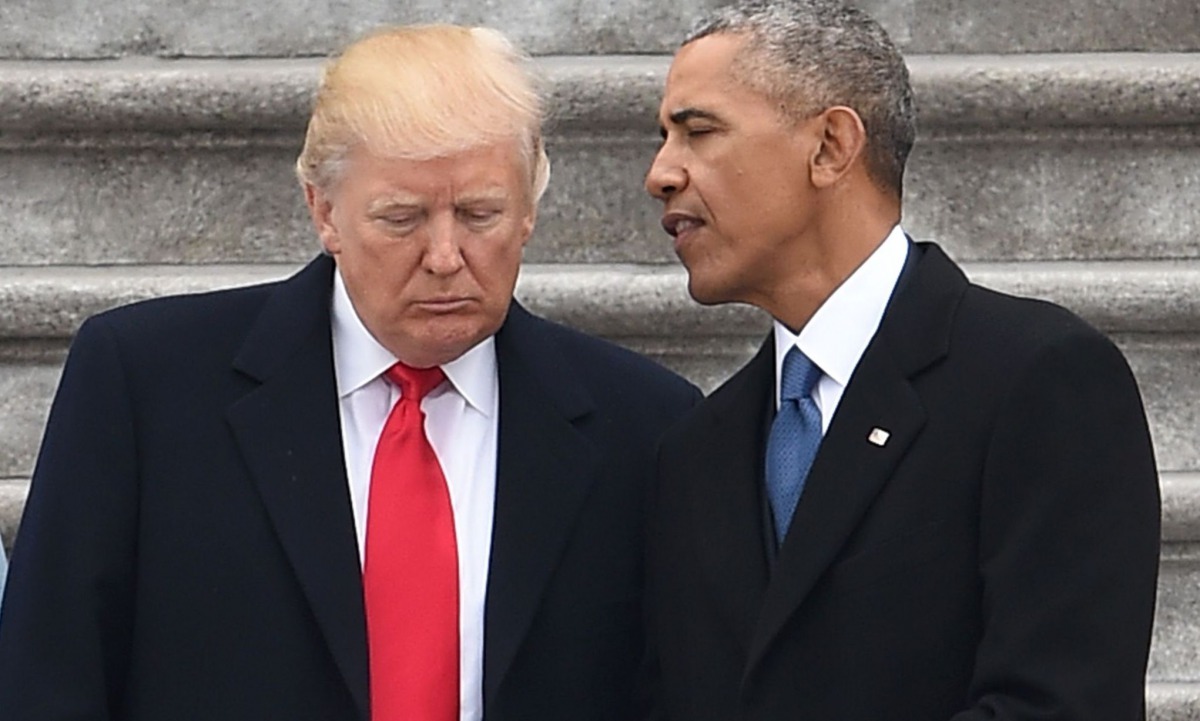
(733, 176)
(429, 249)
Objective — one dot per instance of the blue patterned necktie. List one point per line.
(795, 437)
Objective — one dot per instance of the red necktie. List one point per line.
(410, 574)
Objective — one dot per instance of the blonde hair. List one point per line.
(422, 92)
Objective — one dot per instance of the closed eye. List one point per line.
(479, 217)
(399, 222)
(480, 214)
(396, 223)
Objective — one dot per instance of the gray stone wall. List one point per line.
(1043, 157)
(146, 148)
(234, 28)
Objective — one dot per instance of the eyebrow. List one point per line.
(384, 205)
(681, 116)
(486, 195)
(393, 203)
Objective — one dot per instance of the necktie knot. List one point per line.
(798, 377)
(414, 383)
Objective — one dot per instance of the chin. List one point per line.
(453, 340)
(706, 293)
(423, 350)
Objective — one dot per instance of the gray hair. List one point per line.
(809, 55)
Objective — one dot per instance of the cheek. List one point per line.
(732, 207)
(382, 267)
(495, 258)
(721, 182)
(769, 200)
(496, 273)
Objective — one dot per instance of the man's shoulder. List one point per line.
(740, 399)
(599, 363)
(991, 320)
(182, 307)
(187, 319)
(995, 344)
(203, 314)
(1014, 324)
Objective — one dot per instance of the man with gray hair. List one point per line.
(379, 489)
(921, 500)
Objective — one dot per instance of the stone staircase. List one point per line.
(147, 148)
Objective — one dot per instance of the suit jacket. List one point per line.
(188, 548)
(996, 558)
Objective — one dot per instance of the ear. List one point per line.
(320, 207)
(842, 138)
(528, 223)
(541, 179)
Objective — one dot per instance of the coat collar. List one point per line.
(850, 470)
(543, 473)
(723, 497)
(290, 437)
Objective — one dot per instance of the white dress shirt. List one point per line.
(461, 422)
(835, 338)
(3, 575)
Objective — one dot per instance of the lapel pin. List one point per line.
(879, 437)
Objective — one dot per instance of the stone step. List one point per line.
(1173, 701)
(59, 29)
(151, 161)
(1151, 308)
(1175, 645)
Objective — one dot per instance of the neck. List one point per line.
(838, 241)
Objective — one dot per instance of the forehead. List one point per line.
(702, 76)
(489, 170)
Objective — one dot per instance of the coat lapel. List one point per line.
(724, 498)
(290, 437)
(850, 470)
(544, 469)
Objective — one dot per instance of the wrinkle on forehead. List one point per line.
(702, 77)
(490, 174)
(400, 199)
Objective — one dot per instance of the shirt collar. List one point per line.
(359, 359)
(838, 333)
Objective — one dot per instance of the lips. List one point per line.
(443, 305)
(677, 223)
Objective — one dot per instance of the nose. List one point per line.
(666, 176)
(443, 254)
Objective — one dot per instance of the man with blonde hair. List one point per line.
(379, 489)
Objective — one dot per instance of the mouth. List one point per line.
(677, 223)
(443, 305)
(681, 226)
